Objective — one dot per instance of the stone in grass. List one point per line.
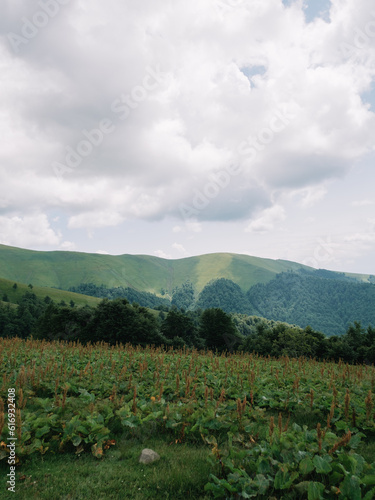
(148, 456)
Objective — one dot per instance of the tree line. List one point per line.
(119, 321)
(325, 300)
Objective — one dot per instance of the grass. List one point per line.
(143, 272)
(181, 473)
(14, 295)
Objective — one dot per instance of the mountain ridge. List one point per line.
(64, 269)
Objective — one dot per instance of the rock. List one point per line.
(148, 456)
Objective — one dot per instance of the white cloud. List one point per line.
(178, 109)
(192, 121)
(180, 248)
(268, 220)
(361, 237)
(68, 245)
(28, 231)
(95, 219)
(162, 254)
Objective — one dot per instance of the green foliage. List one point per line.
(62, 323)
(326, 304)
(179, 324)
(278, 290)
(295, 464)
(144, 299)
(184, 296)
(78, 400)
(15, 291)
(218, 330)
(226, 295)
(118, 321)
(357, 345)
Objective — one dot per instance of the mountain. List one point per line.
(274, 289)
(142, 272)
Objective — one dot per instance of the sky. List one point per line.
(182, 127)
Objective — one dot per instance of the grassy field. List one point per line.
(15, 294)
(222, 425)
(181, 473)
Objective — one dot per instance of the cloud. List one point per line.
(361, 237)
(363, 203)
(162, 254)
(267, 220)
(180, 90)
(180, 248)
(28, 231)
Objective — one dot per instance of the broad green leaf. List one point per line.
(370, 495)
(335, 478)
(356, 440)
(369, 480)
(321, 465)
(306, 465)
(263, 466)
(262, 483)
(302, 487)
(315, 491)
(42, 431)
(351, 488)
(284, 480)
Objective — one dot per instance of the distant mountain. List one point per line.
(326, 304)
(275, 289)
(141, 272)
(315, 299)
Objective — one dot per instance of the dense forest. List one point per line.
(328, 305)
(119, 321)
(328, 302)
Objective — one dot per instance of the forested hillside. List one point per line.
(327, 305)
(328, 301)
(320, 300)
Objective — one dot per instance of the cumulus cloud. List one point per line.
(267, 220)
(121, 110)
(180, 248)
(28, 230)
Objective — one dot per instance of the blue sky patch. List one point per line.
(313, 9)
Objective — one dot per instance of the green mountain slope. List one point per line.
(14, 294)
(142, 272)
